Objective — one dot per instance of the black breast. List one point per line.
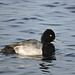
(48, 51)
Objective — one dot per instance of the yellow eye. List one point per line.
(50, 35)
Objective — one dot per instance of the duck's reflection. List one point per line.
(44, 67)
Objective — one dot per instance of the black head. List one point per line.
(48, 36)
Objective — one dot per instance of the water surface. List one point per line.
(27, 19)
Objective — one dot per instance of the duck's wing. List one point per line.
(31, 42)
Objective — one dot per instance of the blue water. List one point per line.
(27, 19)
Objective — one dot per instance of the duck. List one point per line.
(33, 46)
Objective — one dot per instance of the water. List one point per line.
(27, 19)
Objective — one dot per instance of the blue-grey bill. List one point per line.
(56, 40)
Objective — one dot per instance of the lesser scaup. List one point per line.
(34, 47)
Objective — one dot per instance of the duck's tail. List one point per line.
(8, 50)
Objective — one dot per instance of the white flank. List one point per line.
(28, 50)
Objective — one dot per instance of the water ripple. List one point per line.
(25, 18)
(9, 20)
(1, 72)
(51, 24)
(73, 7)
(6, 34)
(71, 45)
(73, 35)
(20, 22)
(33, 18)
(56, 3)
(27, 31)
(73, 11)
(3, 4)
(20, 39)
(1, 28)
(71, 55)
(14, 25)
(48, 5)
(30, 31)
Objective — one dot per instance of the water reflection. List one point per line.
(44, 67)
